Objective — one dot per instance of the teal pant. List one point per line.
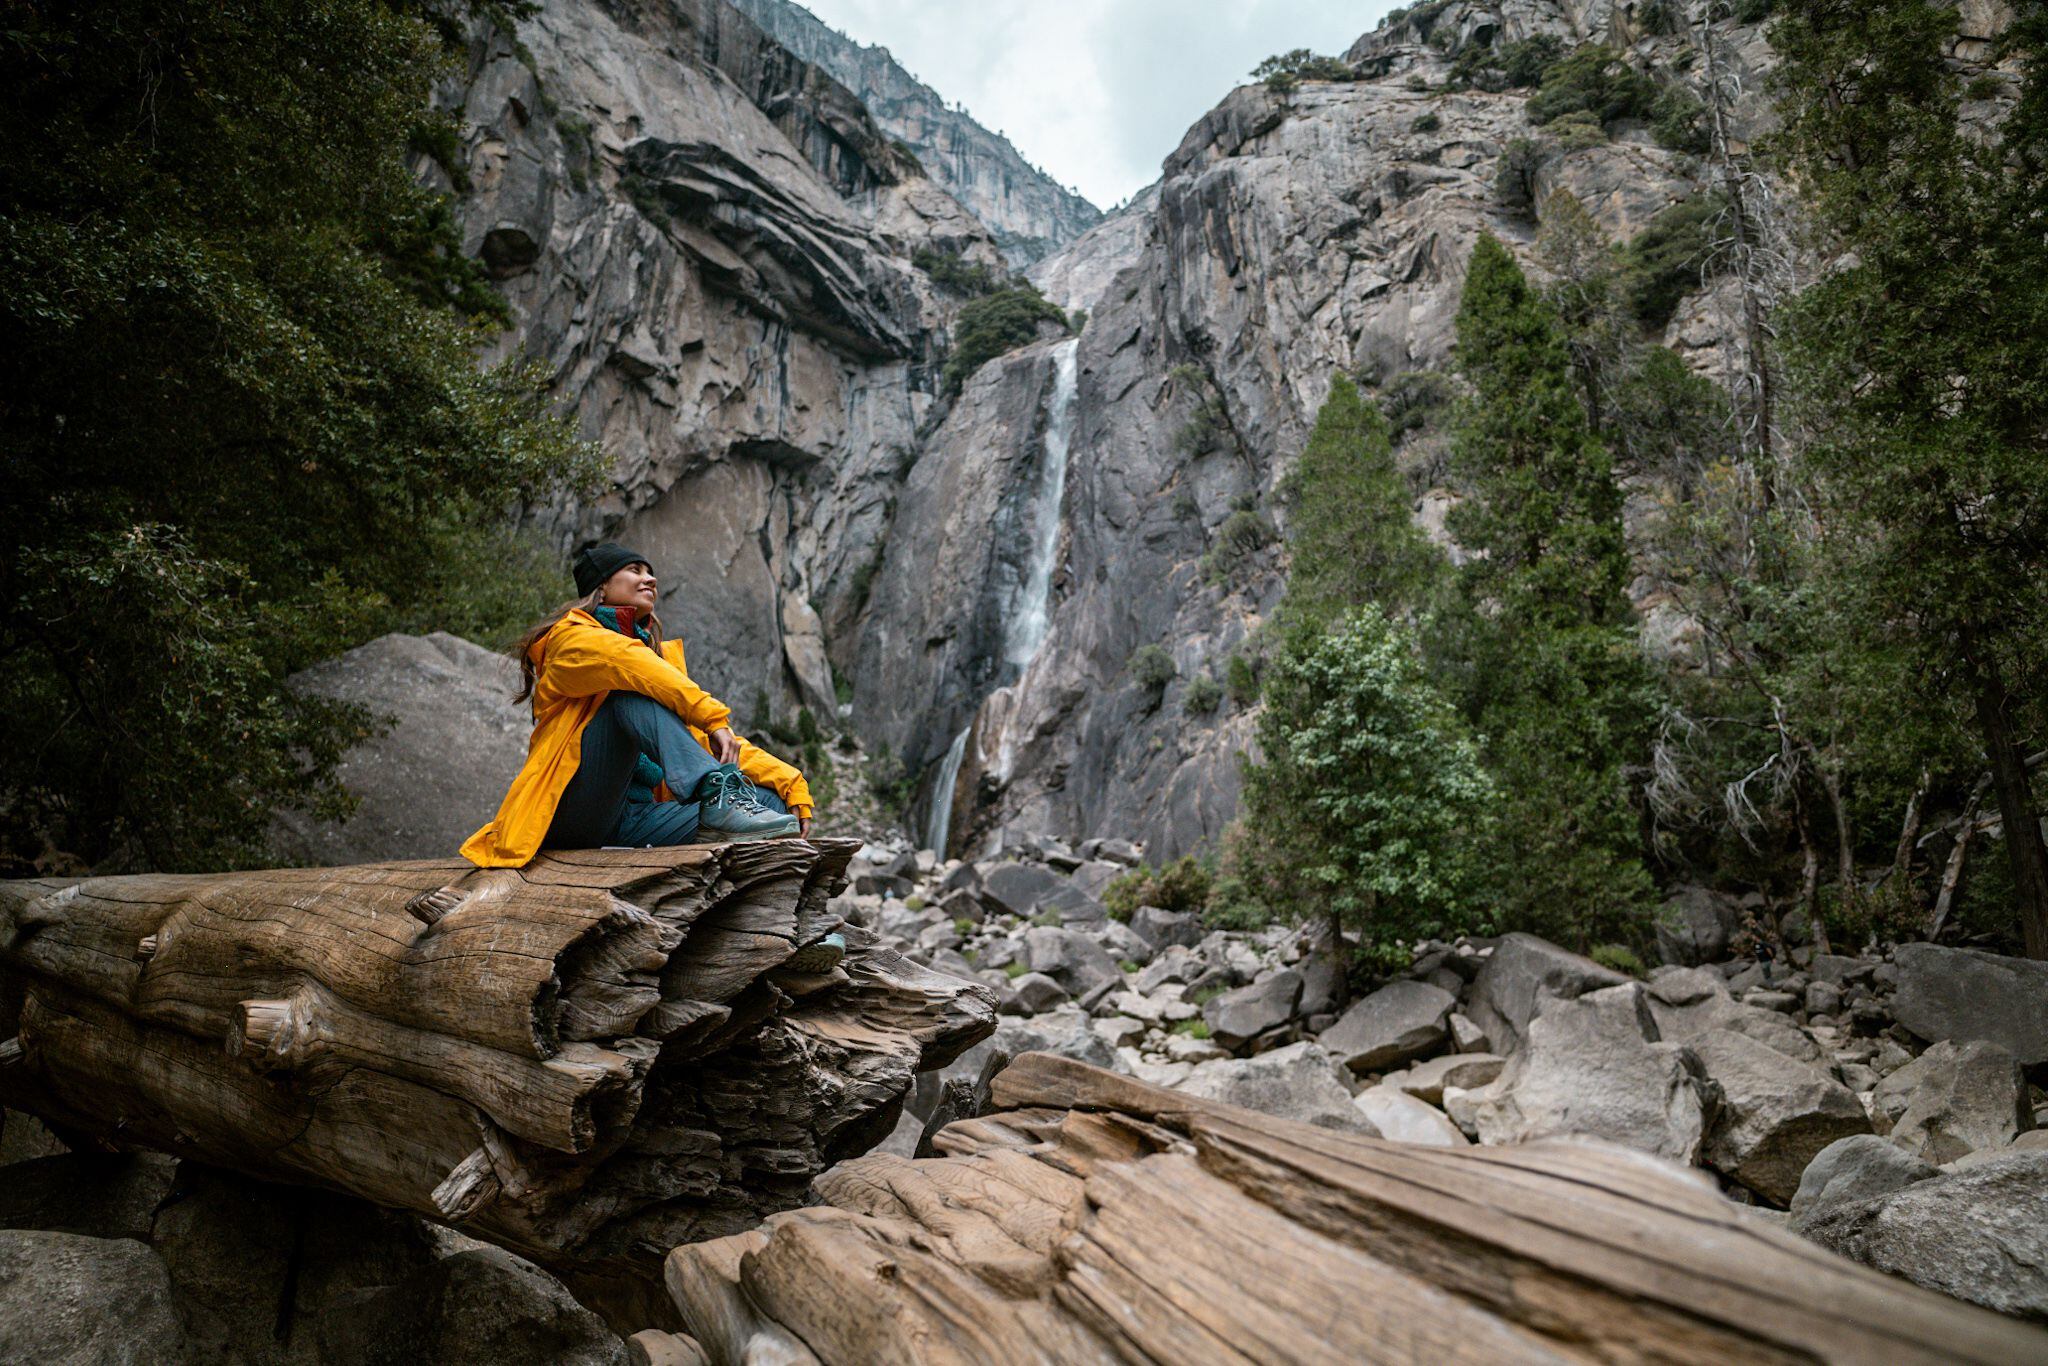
(632, 734)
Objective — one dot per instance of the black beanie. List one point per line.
(594, 564)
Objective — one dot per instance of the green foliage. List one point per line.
(1241, 680)
(1543, 641)
(1576, 131)
(1670, 258)
(1127, 966)
(1368, 806)
(1514, 175)
(1282, 73)
(1597, 80)
(961, 924)
(1508, 66)
(1204, 694)
(1152, 668)
(1426, 123)
(996, 323)
(1678, 120)
(244, 428)
(1619, 957)
(1350, 539)
(1014, 970)
(1182, 885)
(1753, 11)
(1662, 18)
(951, 271)
(1243, 534)
(1412, 399)
(1196, 1028)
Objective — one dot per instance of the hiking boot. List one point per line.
(823, 955)
(727, 810)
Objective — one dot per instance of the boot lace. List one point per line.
(733, 790)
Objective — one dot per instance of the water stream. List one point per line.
(1028, 615)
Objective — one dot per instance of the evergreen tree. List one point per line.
(244, 427)
(1544, 639)
(1350, 539)
(1920, 366)
(1368, 805)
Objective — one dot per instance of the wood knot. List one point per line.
(146, 947)
(265, 1034)
(429, 907)
(12, 1051)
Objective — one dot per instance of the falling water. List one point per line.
(1029, 615)
(1030, 612)
(939, 826)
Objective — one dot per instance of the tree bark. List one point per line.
(1093, 1218)
(2023, 844)
(586, 1060)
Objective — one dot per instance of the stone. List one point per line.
(1965, 994)
(1822, 998)
(1466, 1036)
(1851, 1170)
(1694, 925)
(1017, 888)
(1065, 1031)
(1176, 963)
(1592, 1066)
(1839, 969)
(1094, 876)
(1161, 928)
(1186, 1048)
(1119, 1030)
(1120, 851)
(1322, 984)
(1774, 1113)
(1953, 1100)
(1687, 1003)
(1072, 959)
(1979, 1233)
(1400, 1021)
(228, 1242)
(1783, 1002)
(1299, 1082)
(943, 935)
(1038, 993)
(1237, 1017)
(473, 1309)
(68, 1298)
(653, 1347)
(1504, 997)
(1123, 943)
(23, 1137)
(1427, 1080)
(1138, 1007)
(99, 1195)
(1404, 1119)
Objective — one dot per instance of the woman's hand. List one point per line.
(803, 827)
(725, 746)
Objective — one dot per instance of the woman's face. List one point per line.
(632, 586)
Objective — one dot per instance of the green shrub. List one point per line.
(1244, 533)
(1047, 920)
(1203, 696)
(1412, 399)
(1241, 680)
(913, 903)
(1669, 259)
(1510, 66)
(1619, 957)
(1577, 130)
(1594, 79)
(1128, 966)
(1152, 668)
(949, 270)
(1197, 1028)
(1514, 177)
(1282, 73)
(1678, 120)
(1014, 970)
(1426, 123)
(1182, 885)
(996, 323)
(1753, 11)
(962, 926)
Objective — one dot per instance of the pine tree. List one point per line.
(1553, 677)
(1920, 365)
(1350, 540)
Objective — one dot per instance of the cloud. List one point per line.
(1094, 92)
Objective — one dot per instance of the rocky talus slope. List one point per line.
(1030, 214)
(1888, 1107)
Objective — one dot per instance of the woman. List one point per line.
(626, 749)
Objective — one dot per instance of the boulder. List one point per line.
(1592, 1066)
(1161, 928)
(1176, 963)
(1064, 1031)
(1072, 959)
(1953, 1100)
(480, 1307)
(1400, 1021)
(1694, 926)
(1852, 1170)
(1979, 1233)
(1038, 993)
(1404, 1119)
(1237, 1017)
(1838, 969)
(68, 1298)
(1299, 1082)
(1965, 994)
(1017, 888)
(1503, 998)
(1774, 1113)
(1427, 1080)
(100, 1195)
(1322, 984)
(1689, 1002)
(1095, 876)
(1123, 942)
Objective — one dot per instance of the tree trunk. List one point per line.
(2023, 844)
(594, 1055)
(1909, 836)
(1093, 1218)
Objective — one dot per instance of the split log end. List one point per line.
(264, 1034)
(469, 1186)
(12, 1051)
(429, 907)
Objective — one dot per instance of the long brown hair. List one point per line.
(523, 648)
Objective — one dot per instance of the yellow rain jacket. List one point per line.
(578, 663)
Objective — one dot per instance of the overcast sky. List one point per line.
(1094, 92)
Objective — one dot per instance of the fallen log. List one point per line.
(587, 1060)
(1090, 1217)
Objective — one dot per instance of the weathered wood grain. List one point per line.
(588, 1059)
(1090, 1217)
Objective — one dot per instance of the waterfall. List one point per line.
(1030, 612)
(939, 826)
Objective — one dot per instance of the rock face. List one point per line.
(437, 775)
(1029, 213)
(104, 1301)
(1964, 994)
